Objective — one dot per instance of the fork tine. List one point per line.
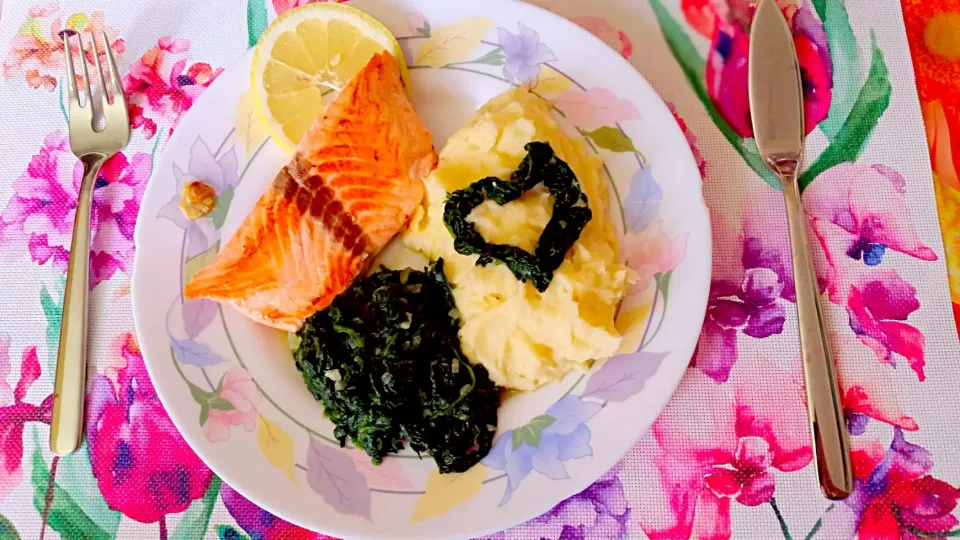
(71, 76)
(86, 74)
(115, 86)
(102, 86)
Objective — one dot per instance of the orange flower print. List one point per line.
(610, 34)
(36, 51)
(933, 32)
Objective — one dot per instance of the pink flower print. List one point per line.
(37, 50)
(15, 412)
(6, 392)
(260, 524)
(220, 174)
(241, 392)
(714, 444)
(652, 252)
(726, 76)
(610, 34)
(126, 425)
(388, 474)
(524, 54)
(745, 478)
(878, 306)
(40, 213)
(594, 108)
(770, 403)
(816, 67)
(857, 212)
(36, 214)
(691, 140)
(867, 390)
(160, 87)
(895, 496)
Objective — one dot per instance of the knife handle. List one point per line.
(831, 443)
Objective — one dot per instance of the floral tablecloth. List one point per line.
(729, 457)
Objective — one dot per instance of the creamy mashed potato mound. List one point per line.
(523, 337)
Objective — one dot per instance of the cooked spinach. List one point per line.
(385, 361)
(570, 215)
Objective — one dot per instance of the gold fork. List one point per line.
(92, 147)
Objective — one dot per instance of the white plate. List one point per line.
(275, 447)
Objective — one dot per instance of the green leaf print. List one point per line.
(844, 55)
(492, 58)
(872, 101)
(52, 311)
(74, 476)
(7, 530)
(663, 287)
(209, 400)
(612, 139)
(228, 532)
(196, 519)
(64, 515)
(219, 212)
(256, 20)
(531, 432)
(195, 264)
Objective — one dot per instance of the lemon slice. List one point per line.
(305, 57)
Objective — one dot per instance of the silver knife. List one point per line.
(776, 106)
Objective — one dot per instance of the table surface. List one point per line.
(729, 457)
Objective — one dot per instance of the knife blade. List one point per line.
(776, 95)
(776, 108)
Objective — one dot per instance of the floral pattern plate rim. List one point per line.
(231, 388)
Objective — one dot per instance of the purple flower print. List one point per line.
(750, 307)
(544, 443)
(746, 295)
(221, 175)
(524, 54)
(601, 511)
(754, 307)
(752, 279)
(895, 496)
(260, 524)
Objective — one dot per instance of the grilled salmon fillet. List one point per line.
(352, 184)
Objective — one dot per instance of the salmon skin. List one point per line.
(353, 183)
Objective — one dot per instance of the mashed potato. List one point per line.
(524, 338)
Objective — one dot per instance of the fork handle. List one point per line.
(831, 444)
(66, 426)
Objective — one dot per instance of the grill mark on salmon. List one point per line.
(312, 196)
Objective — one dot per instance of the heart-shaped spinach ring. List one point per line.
(570, 215)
